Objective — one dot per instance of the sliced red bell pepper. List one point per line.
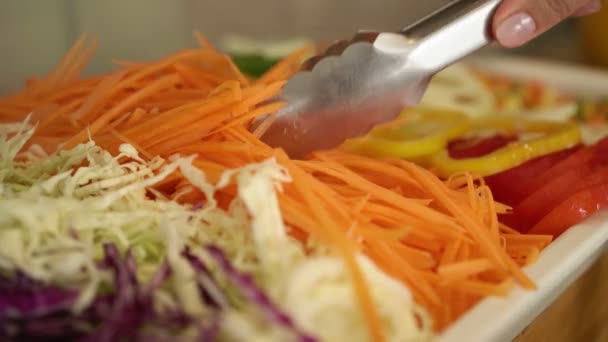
(508, 186)
(601, 152)
(572, 211)
(596, 154)
(539, 203)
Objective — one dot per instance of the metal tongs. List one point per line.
(369, 79)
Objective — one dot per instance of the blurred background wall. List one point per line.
(35, 34)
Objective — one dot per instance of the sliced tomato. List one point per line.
(531, 210)
(580, 157)
(513, 186)
(548, 194)
(538, 204)
(572, 211)
(601, 152)
(508, 186)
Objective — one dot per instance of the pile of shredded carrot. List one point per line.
(439, 237)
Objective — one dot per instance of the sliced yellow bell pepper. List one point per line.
(536, 138)
(415, 134)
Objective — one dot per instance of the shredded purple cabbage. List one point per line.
(203, 271)
(131, 305)
(210, 331)
(20, 296)
(251, 291)
(33, 311)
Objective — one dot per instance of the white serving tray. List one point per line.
(564, 260)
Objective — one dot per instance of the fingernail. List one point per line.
(516, 30)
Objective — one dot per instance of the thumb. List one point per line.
(518, 21)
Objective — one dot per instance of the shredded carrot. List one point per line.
(462, 270)
(450, 252)
(345, 248)
(439, 237)
(96, 95)
(107, 117)
(202, 41)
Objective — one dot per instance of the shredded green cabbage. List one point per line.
(316, 289)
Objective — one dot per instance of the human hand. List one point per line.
(518, 21)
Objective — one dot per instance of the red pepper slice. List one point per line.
(596, 154)
(539, 203)
(546, 203)
(508, 186)
(601, 155)
(572, 211)
(581, 156)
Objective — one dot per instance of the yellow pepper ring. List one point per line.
(415, 134)
(557, 136)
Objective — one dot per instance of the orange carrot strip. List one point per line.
(346, 250)
(97, 95)
(462, 270)
(103, 120)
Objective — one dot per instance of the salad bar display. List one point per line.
(140, 205)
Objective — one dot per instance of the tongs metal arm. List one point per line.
(367, 80)
(451, 32)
